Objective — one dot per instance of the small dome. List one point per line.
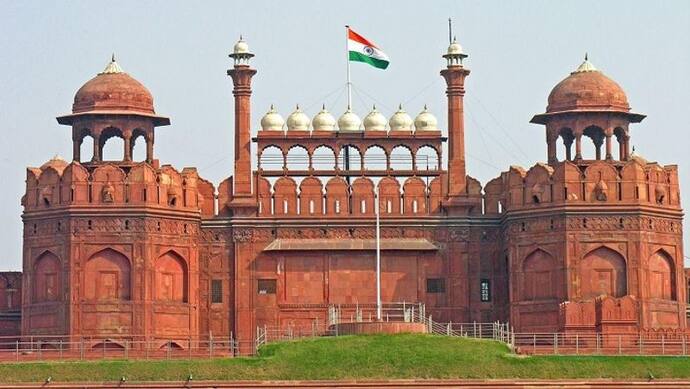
(425, 121)
(375, 121)
(454, 48)
(241, 47)
(113, 90)
(298, 121)
(349, 121)
(400, 121)
(587, 89)
(323, 121)
(56, 163)
(272, 121)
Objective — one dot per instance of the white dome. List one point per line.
(400, 121)
(454, 48)
(241, 47)
(272, 121)
(349, 121)
(298, 121)
(375, 121)
(323, 121)
(425, 121)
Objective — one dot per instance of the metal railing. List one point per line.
(52, 347)
(600, 344)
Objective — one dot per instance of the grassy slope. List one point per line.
(360, 357)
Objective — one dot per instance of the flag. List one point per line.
(362, 50)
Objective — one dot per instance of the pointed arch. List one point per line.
(171, 278)
(107, 276)
(541, 276)
(662, 276)
(46, 284)
(602, 272)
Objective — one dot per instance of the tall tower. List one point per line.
(242, 204)
(455, 74)
(110, 246)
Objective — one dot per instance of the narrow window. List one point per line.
(89, 224)
(144, 194)
(637, 193)
(285, 206)
(389, 206)
(337, 206)
(311, 206)
(126, 224)
(414, 206)
(435, 285)
(266, 286)
(363, 207)
(485, 290)
(216, 291)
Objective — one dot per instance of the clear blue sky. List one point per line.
(518, 51)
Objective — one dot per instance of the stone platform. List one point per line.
(379, 327)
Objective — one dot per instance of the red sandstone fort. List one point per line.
(123, 248)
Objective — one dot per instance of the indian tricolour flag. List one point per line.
(363, 50)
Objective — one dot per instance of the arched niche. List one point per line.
(401, 158)
(566, 137)
(597, 136)
(375, 158)
(602, 272)
(349, 158)
(427, 158)
(540, 277)
(271, 158)
(107, 276)
(661, 278)
(298, 158)
(138, 146)
(112, 145)
(323, 158)
(171, 278)
(46, 282)
(85, 148)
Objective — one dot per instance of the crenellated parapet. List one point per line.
(600, 183)
(58, 185)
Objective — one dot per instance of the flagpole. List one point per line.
(378, 256)
(347, 60)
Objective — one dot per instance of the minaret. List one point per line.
(455, 75)
(241, 74)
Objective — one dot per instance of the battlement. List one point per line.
(58, 184)
(634, 182)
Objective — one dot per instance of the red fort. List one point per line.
(138, 248)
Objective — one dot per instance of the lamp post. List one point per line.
(378, 255)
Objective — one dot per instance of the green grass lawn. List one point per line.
(361, 357)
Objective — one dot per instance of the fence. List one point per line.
(118, 347)
(601, 344)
